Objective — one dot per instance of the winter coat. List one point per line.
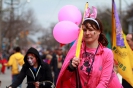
(54, 65)
(102, 75)
(15, 60)
(43, 73)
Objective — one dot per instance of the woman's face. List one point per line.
(90, 34)
(32, 60)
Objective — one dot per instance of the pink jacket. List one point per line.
(102, 75)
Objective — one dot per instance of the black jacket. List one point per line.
(54, 65)
(43, 73)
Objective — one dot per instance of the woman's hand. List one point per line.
(37, 84)
(75, 62)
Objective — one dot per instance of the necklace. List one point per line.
(89, 68)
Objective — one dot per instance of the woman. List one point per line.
(94, 68)
(37, 72)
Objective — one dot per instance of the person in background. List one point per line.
(94, 67)
(15, 60)
(38, 73)
(129, 38)
(48, 59)
(3, 61)
(56, 62)
(0, 62)
(0, 66)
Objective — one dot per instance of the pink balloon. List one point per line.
(70, 13)
(65, 32)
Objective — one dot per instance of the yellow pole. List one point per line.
(80, 35)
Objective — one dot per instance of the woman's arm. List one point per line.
(71, 68)
(107, 70)
(20, 78)
(10, 62)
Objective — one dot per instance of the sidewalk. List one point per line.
(6, 79)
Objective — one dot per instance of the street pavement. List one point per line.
(6, 79)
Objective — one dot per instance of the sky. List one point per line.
(46, 11)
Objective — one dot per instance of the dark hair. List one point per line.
(102, 39)
(17, 49)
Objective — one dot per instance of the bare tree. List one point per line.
(128, 14)
(105, 16)
(18, 24)
(47, 40)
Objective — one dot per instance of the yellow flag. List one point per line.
(122, 51)
(79, 41)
